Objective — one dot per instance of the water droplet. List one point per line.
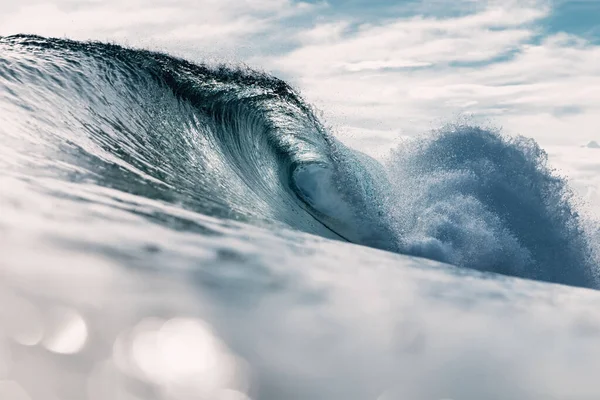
(184, 357)
(21, 320)
(68, 332)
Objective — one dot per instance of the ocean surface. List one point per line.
(177, 231)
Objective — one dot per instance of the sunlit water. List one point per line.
(172, 231)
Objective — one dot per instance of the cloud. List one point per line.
(413, 41)
(172, 25)
(409, 74)
(582, 167)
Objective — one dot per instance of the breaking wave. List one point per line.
(238, 144)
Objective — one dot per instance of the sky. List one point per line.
(378, 70)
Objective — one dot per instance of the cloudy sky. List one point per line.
(382, 70)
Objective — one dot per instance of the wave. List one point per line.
(239, 144)
(471, 197)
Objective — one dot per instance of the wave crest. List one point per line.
(235, 143)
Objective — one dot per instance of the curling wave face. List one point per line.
(237, 144)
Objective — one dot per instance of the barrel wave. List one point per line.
(234, 143)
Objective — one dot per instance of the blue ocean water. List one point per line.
(174, 230)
